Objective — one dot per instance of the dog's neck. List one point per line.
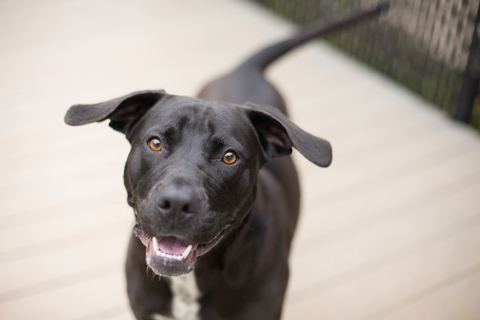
(185, 305)
(185, 290)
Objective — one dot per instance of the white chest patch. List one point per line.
(157, 316)
(185, 304)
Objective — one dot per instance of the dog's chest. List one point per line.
(185, 305)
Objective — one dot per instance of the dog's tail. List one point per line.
(263, 58)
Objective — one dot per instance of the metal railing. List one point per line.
(430, 46)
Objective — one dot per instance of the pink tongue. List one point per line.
(172, 245)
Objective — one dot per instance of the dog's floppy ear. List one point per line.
(123, 112)
(278, 135)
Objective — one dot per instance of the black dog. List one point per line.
(211, 196)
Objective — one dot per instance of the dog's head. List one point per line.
(192, 171)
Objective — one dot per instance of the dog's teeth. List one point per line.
(187, 251)
(174, 257)
(168, 255)
(155, 244)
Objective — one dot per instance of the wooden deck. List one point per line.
(390, 231)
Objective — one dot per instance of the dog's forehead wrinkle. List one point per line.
(202, 122)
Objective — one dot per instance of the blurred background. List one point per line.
(391, 230)
(426, 45)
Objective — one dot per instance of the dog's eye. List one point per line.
(155, 144)
(229, 157)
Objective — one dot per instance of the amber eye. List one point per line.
(155, 144)
(229, 157)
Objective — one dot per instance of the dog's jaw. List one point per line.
(171, 256)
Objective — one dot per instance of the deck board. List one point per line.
(386, 284)
(389, 231)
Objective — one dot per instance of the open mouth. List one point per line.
(172, 256)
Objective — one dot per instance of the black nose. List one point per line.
(177, 200)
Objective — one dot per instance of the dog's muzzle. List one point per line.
(172, 256)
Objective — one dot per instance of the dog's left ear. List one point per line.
(278, 135)
(123, 112)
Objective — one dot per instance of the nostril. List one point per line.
(188, 209)
(164, 204)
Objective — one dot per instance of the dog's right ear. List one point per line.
(123, 112)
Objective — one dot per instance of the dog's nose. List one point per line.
(177, 200)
